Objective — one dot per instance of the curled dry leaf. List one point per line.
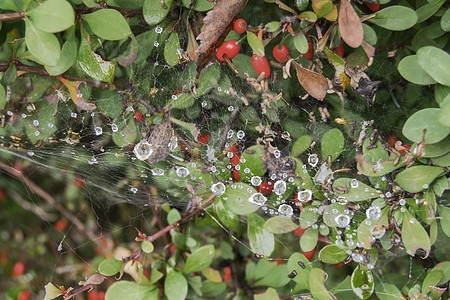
(350, 25)
(315, 84)
(218, 22)
(75, 94)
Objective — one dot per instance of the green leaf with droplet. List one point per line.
(236, 199)
(155, 11)
(279, 225)
(175, 286)
(332, 254)
(255, 43)
(108, 24)
(172, 49)
(414, 236)
(43, 46)
(200, 259)
(369, 228)
(308, 218)
(417, 178)
(308, 241)
(127, 132)
(317, 287)
(362, 282)
(332, 144)
(110, 266)
(261, 241)
(357, 191)
(52, 16)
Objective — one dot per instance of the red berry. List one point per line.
(309, 254)
(235, 159)
(79, 181)
(310, 53)
(240, 26)
(260, 64)
(233, 148)
(407, 147)
(229, 48)
(339, 50)
(236, 175)
(24, 295)
(2, 195)
(226, 274)
(61, 224)
(138, 116)
(339, 265)
(265, 188)
(18, 269)
(373, 6)
(299, 231)
(280, 53)
(203, 139)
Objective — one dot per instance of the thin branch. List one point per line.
(47, 197)
(126, 12)
(12, 16)
(162, 232)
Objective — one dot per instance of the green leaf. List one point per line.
(362, 282)
(9, 5)
(322, 7)
(52, 16)
(127, 132)
(253, 161)
(436, 62)
(45, 117)
(131, 290)
(301, 145)
(434, 150)
(236, 198)
(302, 266)
(426, 11)
(273, 26)
(109, 103)
(147, 246)
(300, 41)
(175, 286)
(444, 115)
(173, 216)
(425, 119)
(279, 225)
(91, 63)
(370, 36)
(308, 240)
(332, 144)
(443, 161)
(417, 178)
(317, 287)
(370, 229)
(387, 291)
(154, 12)
(2, 97)
(110, 266)
(200, 259)
(68, 55)
(225, 215)
(172, 49)
(332, 254)
(445, 21)
(108, 24)
(396, 18)
(276, 278)
(198, 5)
(432, 279)
(411, 70)
(255, 43)
(357, 191)
(261, 241)
(414, 235)
(269, 294)
(444, 217)
(308, 218)
(43, 46)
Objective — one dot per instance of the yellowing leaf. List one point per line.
(76, 95)
(350, 25)
(314, 83)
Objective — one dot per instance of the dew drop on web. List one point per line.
(230, 134)
(373, 212)
(98, 130)
(157, 172)
(240, 134)
(313, 160)
(354, 183)
(279, 187)
(304, 195)
(114, 127)
(255, 180)
(218, 189)
(257, 199)
(143, 150)
(285, 210)
(342, 220)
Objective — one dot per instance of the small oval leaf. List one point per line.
(261, 241)
(279, 225)
(425, 119)
(175, 286)
(350, 25)
(417, 178)
(362, 282)
(110, 266)
(332, 144)
(53, 16)
(414, 236)
(255, 43)
(200, 259)
(154, 12)
(332, 254)
(395, 18)
(411, 70)
(108, 24)
(436, 62)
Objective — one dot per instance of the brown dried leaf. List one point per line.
(350, 25)
(315, 84)
(218, 22)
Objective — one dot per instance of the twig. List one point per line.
(162, 232)
(12, 16)
(47, 197)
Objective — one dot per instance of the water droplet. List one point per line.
(257, 199)
(114, 127)
(9, 113)
(133, 190)
(230, 154)
(402, 202)
(35, 122)
(93, 161)
(285, 210)
(98, 130)
(50, 125)
(218, 189)
(30, 153)
(425, 186)
(240, 134)
(238, 167)
(73, 115)
(143, 150)
(378, 231)
(373, 212)
(204, 103)
(246, 170)
(412, 221)
(230, 108)
(158, 29)
(358, 258)
(388, 194)
(354, 183)
(219, 88)
(173, 143)
(182, 172)
(79, 95)
(230, 134)
(174, 97)
(279, 187)
(37, 133)
(313, 160)
(342, 220)
(157, 172)
(314, 226)
(238, 200)
(277, 153)
(304, 195)
(255, 180)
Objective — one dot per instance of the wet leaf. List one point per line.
(396, 18)
(225, 215)
(131, 290)
(357, 191)
(127, 132)
(261, 241)
(317, 287)
(332, 254)
(108, 24)
(236, 199)
(269, 294)
(332, 144)
(350, 26)
(200, 259)
(175, 286)
(435, 62)
(52, 16)
(315, 84)
(417, 178)
(110, 266)
(280, 225)
(362, 282)
(154, 12)
(367, 229)
(255, 43)
(425, 119)
(68, 55)
(308, 241)
(414, 236)
(307, 218)
(331, 212)
(444, 214)
(76, 95)
(43, 46)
